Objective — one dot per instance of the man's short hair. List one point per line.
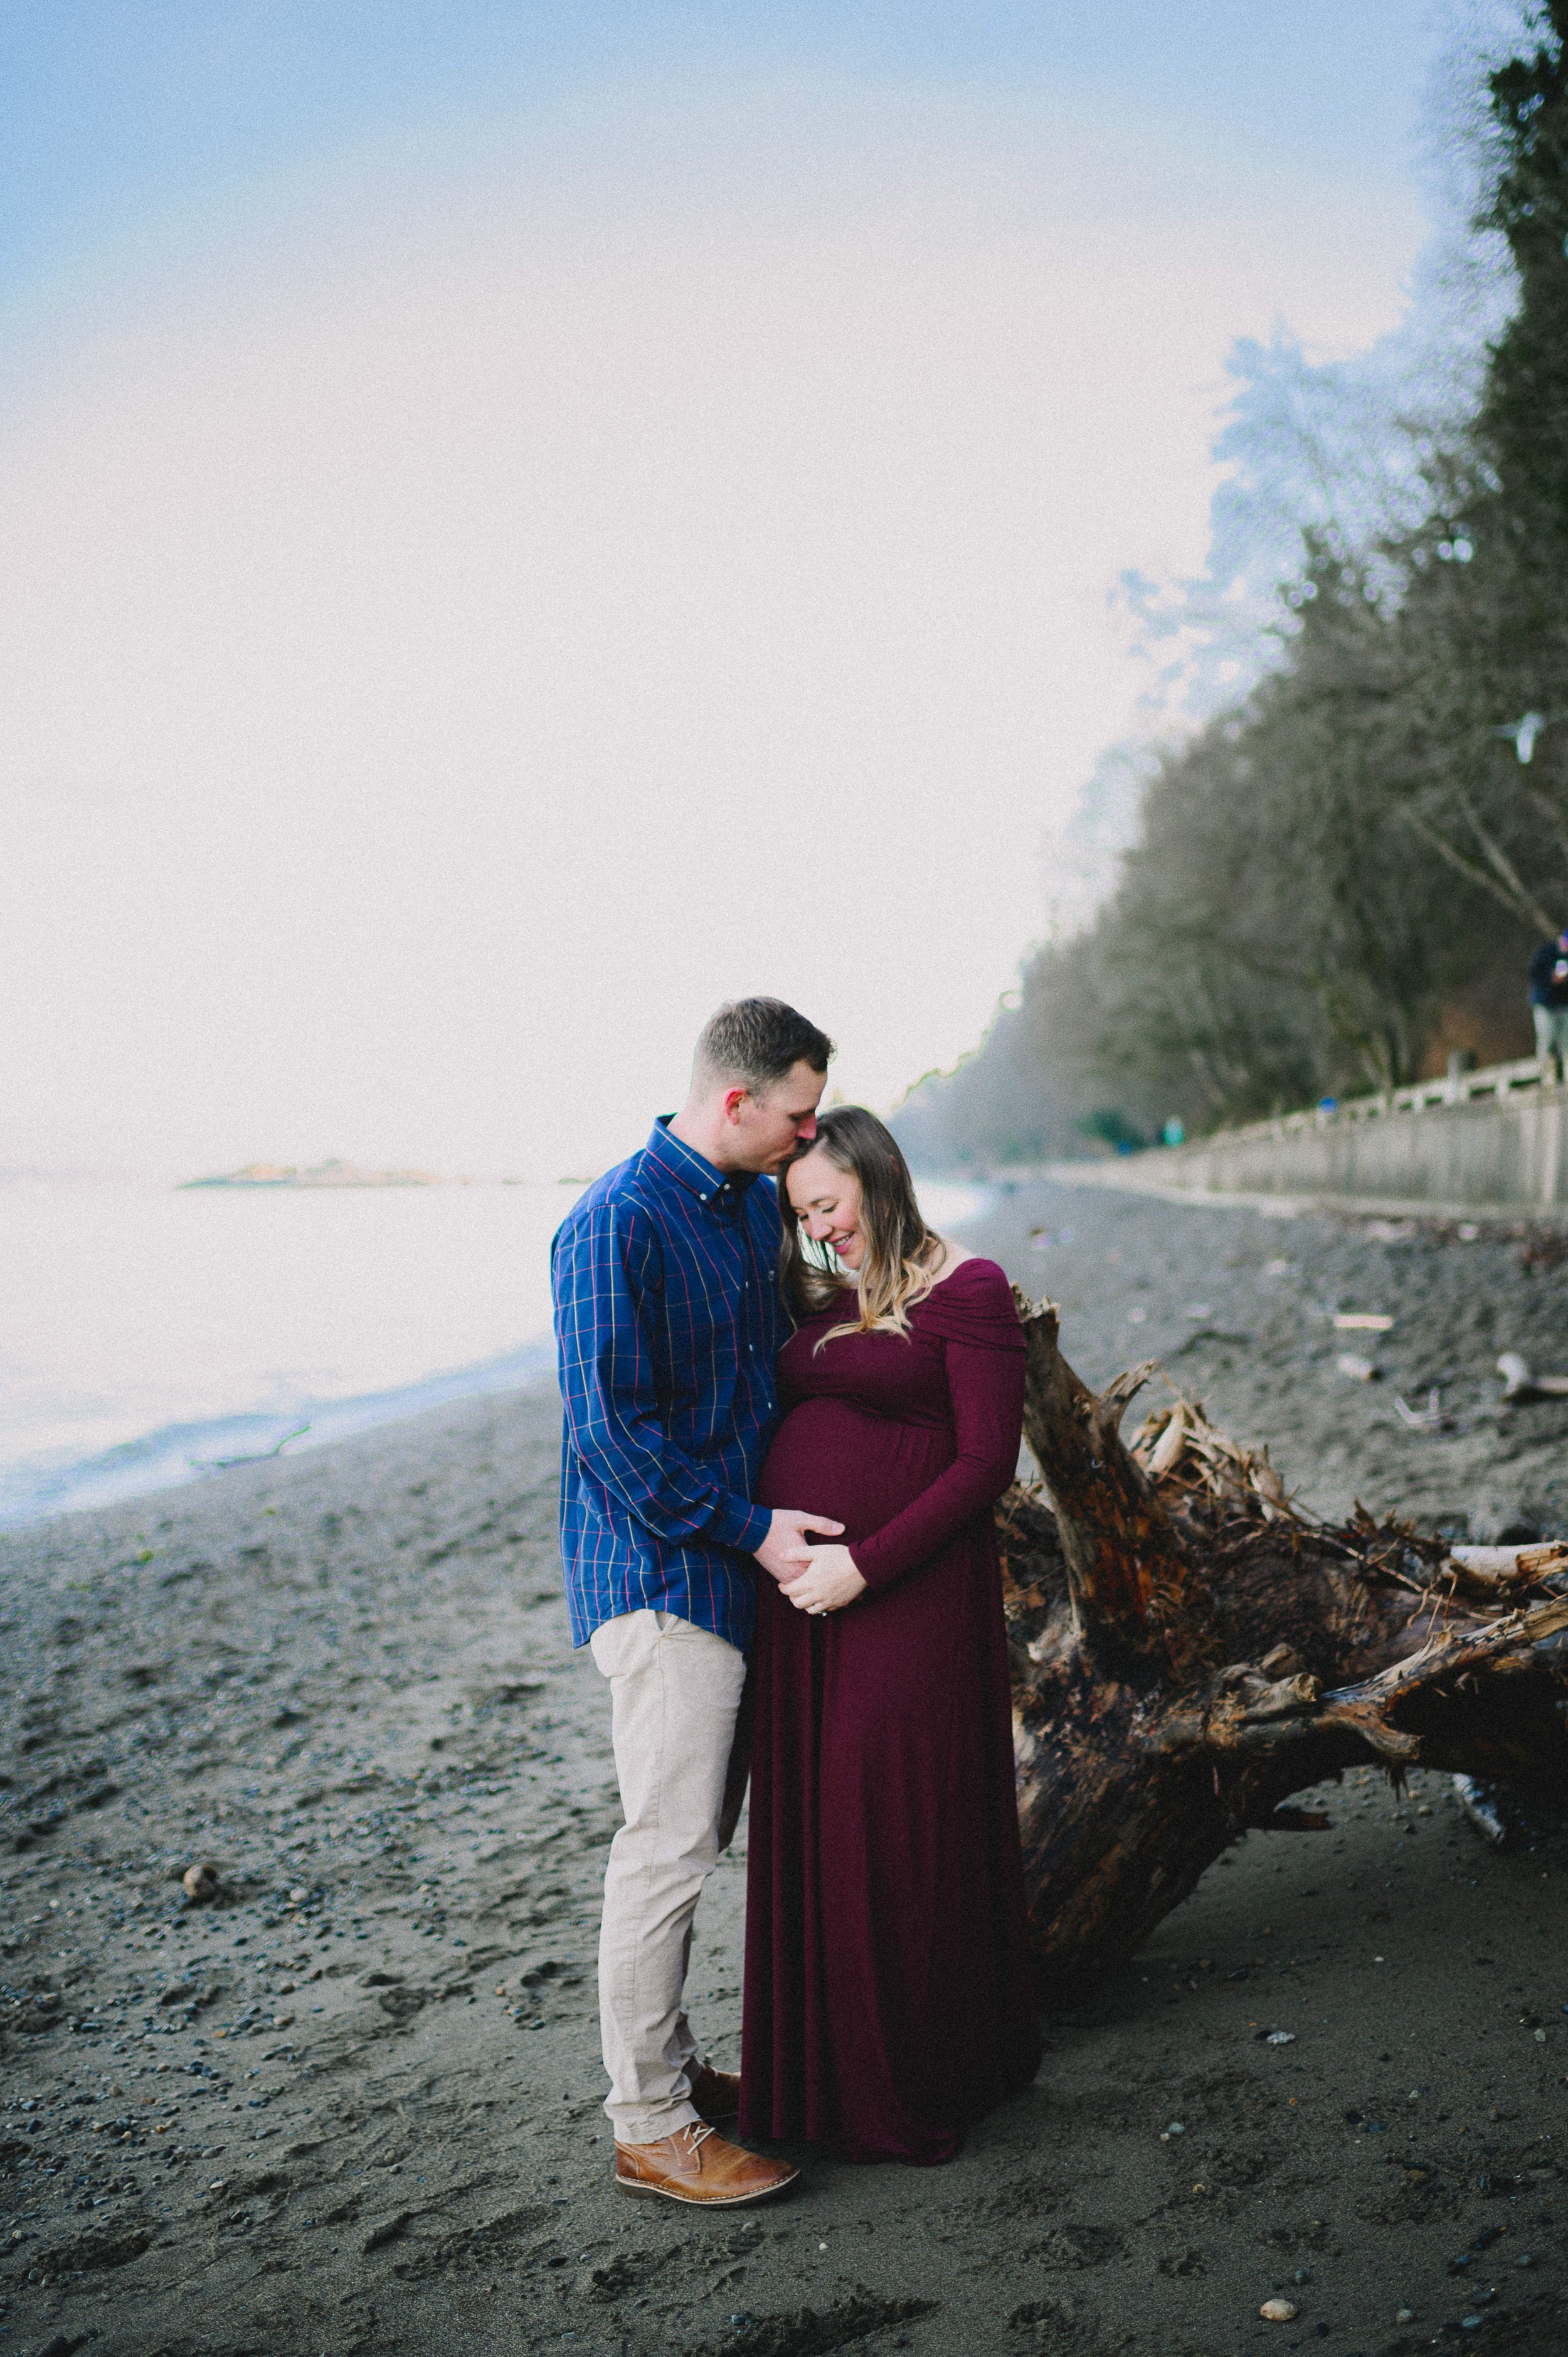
(758, 1043)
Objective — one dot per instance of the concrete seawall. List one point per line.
(1496, 1142)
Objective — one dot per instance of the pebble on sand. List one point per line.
(1278, 2311)
(199, 1881)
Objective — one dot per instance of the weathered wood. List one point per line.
(1188, 1650)
(1127, 1572)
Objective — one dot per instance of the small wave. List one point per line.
(181, 1453)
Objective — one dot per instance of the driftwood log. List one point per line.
(1188, 1650)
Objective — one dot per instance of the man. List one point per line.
(668, 1322)
(1548, 1000)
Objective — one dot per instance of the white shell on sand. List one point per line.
(1277, 2312)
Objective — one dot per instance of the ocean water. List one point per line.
(148, 1334)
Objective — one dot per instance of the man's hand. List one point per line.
(829, 1582)
(784, 1552)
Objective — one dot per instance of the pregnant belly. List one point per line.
(829, 1457)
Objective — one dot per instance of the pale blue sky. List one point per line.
(115, 111)
(523, 521)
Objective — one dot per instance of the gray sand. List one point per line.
(352, 2104)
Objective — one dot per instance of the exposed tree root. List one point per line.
(1189, 1650)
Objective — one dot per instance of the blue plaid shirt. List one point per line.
(667, 1322)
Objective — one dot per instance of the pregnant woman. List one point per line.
(888, 1985)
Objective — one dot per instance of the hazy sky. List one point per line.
(522, 521)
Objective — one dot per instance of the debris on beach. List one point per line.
(199, 1882)
(1359, 1370)
(1429, 1419)
(1278, 2311)
(1494, 1568)
(1170, 1444)
(1484, 1809)
(1362, 1321)
(1518, 1383)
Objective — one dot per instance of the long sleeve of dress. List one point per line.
(986, 1386)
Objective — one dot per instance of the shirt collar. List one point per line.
(693, 1170)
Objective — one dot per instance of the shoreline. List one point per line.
(176, 1454)
(146, 1326)
(172, 1455)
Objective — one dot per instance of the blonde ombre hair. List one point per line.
(902, 1256)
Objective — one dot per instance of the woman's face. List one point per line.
(826, 1200)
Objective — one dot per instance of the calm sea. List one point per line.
(147, 1334)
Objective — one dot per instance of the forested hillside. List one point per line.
(1340, 879)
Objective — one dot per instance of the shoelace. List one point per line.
(696, 2133)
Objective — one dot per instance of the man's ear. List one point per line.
(734, 1100)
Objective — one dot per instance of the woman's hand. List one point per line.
(829, 1582)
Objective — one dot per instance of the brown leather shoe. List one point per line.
(699, 2166)
(716, 2094)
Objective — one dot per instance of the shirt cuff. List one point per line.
(738, 1523)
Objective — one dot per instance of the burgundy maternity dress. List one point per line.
(887, 1986)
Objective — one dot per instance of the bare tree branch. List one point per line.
(1517, 901)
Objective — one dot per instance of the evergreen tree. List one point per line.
(1483, 624)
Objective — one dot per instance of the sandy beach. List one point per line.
(351, 2101)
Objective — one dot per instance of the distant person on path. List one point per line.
(888, 1990)
(1549, 999)
(668, 1321)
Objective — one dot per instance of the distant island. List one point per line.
(319, 1173)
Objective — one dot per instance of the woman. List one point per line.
(887, 1985)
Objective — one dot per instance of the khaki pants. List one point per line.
(1552, 1033)
(682, 1747)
